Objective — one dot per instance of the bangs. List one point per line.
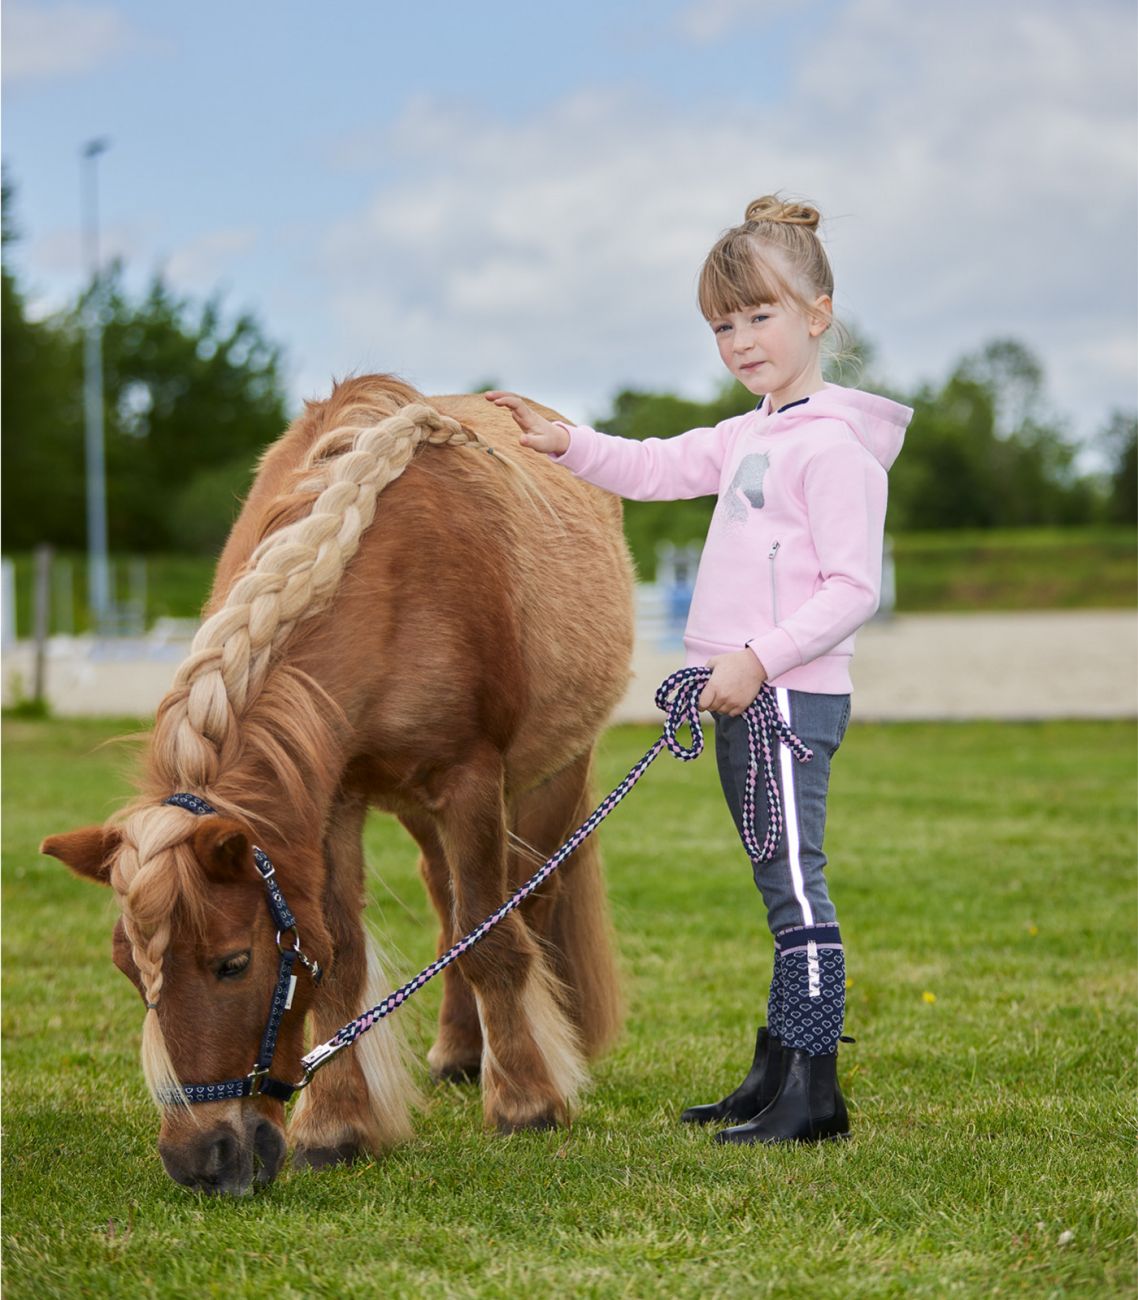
(739, 273)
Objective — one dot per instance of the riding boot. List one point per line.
(808, 1108)
(756, 1092)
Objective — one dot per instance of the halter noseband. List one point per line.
(258, 1080)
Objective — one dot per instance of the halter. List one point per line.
(678, 698)
(259, 1080)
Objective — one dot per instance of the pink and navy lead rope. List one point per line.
(678, 698)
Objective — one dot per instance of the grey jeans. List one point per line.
(793, 883)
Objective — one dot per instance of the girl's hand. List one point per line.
(537, 432)
(735, 681)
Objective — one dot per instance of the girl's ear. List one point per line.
(821, 315)
(87, 851)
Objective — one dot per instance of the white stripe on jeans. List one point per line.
(790, 811)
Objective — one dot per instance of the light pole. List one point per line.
(98, 570)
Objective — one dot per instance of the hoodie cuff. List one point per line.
(776, 651)
(564, 457)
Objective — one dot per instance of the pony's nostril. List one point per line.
(268, 1151)
(220, 1157)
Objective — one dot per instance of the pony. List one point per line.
(402, 618)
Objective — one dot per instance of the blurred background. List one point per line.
(210, 211)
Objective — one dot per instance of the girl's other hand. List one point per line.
(735, 681)
(537, 432)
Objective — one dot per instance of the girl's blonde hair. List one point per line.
(739, 271)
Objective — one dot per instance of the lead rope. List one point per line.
(678, 698)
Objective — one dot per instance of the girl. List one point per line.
(790, 570)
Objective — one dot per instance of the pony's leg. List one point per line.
(456, 1053)
(569, 913)
(360, 1101)
(532, 1066)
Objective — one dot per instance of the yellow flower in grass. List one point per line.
(928, 997)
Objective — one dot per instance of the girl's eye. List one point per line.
(721, 328)
(759, 318)
(233, 966)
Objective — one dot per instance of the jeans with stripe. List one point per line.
(807, 998)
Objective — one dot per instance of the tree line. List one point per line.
(191, 399)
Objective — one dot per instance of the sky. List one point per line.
(523, 194)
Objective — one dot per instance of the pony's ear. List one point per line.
(87, 851)
(222, 847)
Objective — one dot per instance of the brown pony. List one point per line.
(452, 663)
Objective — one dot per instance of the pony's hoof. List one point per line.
(346, 1153)
(534, 1124)
(457, 1073)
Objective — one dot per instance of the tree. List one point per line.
(41, 412)
(191, 398)
(1120, 442)
(984, 452)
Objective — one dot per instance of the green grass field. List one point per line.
(985, 879)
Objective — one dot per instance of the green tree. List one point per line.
(41, 412)
(1119, 439)
(984, 451)
(191, 397)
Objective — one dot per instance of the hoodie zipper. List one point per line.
(771, 557)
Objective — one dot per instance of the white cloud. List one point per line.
(706, 21)
(207, 259)
(976, 163)
(42, 42)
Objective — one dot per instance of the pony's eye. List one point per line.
(233, 966)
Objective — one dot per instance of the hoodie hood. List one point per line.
(878, 422)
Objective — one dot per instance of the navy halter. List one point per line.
(258, 1080)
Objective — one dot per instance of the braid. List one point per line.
(292, 575)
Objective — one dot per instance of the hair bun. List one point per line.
(771, 208)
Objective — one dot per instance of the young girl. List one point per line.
(790, 570)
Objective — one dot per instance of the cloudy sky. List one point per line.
(524, 193)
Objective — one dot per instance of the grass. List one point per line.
(1025, 568)
(985, 879)
(1022, 568)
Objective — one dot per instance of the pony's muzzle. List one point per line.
(225, 1160)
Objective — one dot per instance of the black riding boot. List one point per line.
(757, 1090)
(808, 1108)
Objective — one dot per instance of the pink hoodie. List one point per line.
(792, 562)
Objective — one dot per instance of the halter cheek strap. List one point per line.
(258, 1080)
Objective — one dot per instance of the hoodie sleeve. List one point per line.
(845, 491)
(657, 469)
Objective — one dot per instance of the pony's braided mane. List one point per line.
(310, 534)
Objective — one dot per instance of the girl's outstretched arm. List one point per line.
(537, 432)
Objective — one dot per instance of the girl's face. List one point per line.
(774, 348)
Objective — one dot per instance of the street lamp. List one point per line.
(98, 569)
